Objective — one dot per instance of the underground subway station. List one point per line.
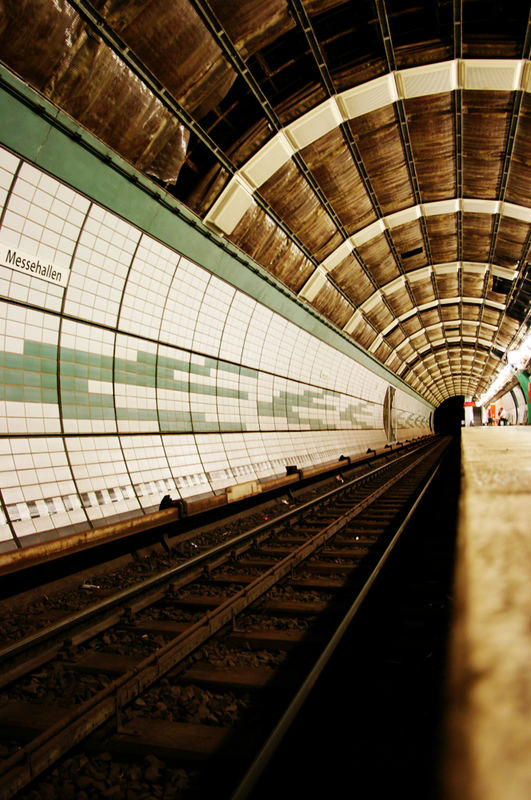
(265, 450)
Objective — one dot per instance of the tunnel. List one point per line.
(246, 240)
(217, 271)
(449, 416)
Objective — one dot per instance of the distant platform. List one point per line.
(489, 732)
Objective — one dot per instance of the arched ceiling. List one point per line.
(373, 155)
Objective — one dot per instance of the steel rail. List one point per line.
(30, 761)
(255, 771)
(67, 625)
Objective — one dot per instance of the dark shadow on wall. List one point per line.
(449, 417)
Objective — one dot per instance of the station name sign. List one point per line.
(32, 265)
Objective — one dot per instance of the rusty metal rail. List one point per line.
(269, 747)
(161, 521)
(30, 761)
(100, 615)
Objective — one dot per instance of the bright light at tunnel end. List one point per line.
(516, 360)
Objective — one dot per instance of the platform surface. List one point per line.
(489, 731)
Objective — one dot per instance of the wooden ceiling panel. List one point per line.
(331, 304)
(519, 179)
(408, 241)
(305, 97)
(379, 317)
(206, 190)
(422, 292)
(379, 260)
(502, 341)
(399, 302)
(477, 234)
(430, 317)
(292, 199)
(472, 283)
(261, 239)
(395, 363)
(378, 138)
(331, 164)
(471, 311)
(469, 329)
(412, 55)
(491, 316)
(250, 142)
(382, 352)
(428, 360)
(406, 351)
(491, 363)
(421, 341)
(431, 124)
(364, 335)
(442, 235)
(450, 312)
(510, 243)
(432, 336)
(327, 245)
(253, 24)
(507, 329)
(395, 337)
(185, 52)
(411, 325)
(479, 359)
(353, 281)
(486, 120)
(385, 271)
(496, 296)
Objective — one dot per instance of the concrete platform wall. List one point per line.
(488, 753)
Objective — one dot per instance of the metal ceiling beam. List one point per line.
(514, 121)
(300, 15)
(98, 24)
(216, 29)
(238, 64)
(452, 346)
(118, 46)
(458, 105)
(458, 28)
(458, 144)
(211, 22)
(385, 33)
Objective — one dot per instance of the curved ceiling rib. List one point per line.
(421, 81)
(373, 155)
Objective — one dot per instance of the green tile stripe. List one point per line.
(31, 377)
(41, 133)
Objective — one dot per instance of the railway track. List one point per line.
(197, 673)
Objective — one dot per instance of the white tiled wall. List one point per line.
(100, 267)
(145, 374)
